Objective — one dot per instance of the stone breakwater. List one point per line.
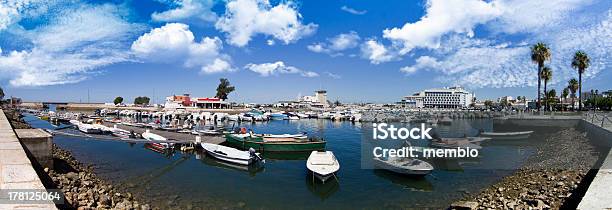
(83, 190)
(81, 187)
(550, 179)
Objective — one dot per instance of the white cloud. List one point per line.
(72, 45)
(336, 44)
(276, 68)
(422, 62)
(483, 63)
(353, 11)
(217, 66)
(174, 42)
(442, 16)
(500, 57)
(376, 52)
(332, 75)
(526, 16)
(244, 19)
(186, 10)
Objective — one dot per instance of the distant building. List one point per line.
(452, 97)
(186, 101)
(319, 100)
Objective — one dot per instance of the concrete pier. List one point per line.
(599, 194)
(39, 143)
(16, 170)
(184, 137)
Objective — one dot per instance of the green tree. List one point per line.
(573, 86)
(546, 75)
(551, 97)
(580, 62)
(224, 89)
(141, 100)
(564, 95)
(488, 103)
(540, 53)
(118, 100)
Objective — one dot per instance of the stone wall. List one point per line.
(16, 170)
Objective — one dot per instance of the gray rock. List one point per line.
(464, 205)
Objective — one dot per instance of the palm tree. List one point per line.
(1, 94)
(539, 54)
(580, 62)
(573, 86)
(564, 95)
(546, 75)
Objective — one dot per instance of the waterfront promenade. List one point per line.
(599, 194)
(16, 169)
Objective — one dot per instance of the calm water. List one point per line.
(197, 180)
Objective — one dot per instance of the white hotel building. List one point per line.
(452, 97)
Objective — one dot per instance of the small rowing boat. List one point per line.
(154, 137)
(507, 135)
(406, 166)
(467, 142)
(232, 155)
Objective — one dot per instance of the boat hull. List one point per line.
(301, 146)
(511, 136)
(405, 171)
(322, 177)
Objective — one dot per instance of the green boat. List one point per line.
(264, 144)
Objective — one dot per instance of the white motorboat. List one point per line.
(407, 166)
(121, 133)
(86, 128)
(232, 155)
(293, 118)
(233, 117)
(507, 135)
(154, 137)
(323, 165)
(209, 132)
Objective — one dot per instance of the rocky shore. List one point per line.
(83, 190)
(550, 179)
(81, 187)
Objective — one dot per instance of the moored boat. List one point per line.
(323, 165)
(265, 144)
(507, 135)
(154, 137)
(406, 166)
(232, 155)
(86, 128)
(468, 142)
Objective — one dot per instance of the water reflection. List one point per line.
(322, 190)
(421, 184)
(210, 161)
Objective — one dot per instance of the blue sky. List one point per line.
(360, 51)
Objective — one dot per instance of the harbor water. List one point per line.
(184, 180)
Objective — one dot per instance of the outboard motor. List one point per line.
(253, 153)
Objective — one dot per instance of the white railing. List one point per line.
(598, 118)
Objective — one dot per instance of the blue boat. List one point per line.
(278, 116)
